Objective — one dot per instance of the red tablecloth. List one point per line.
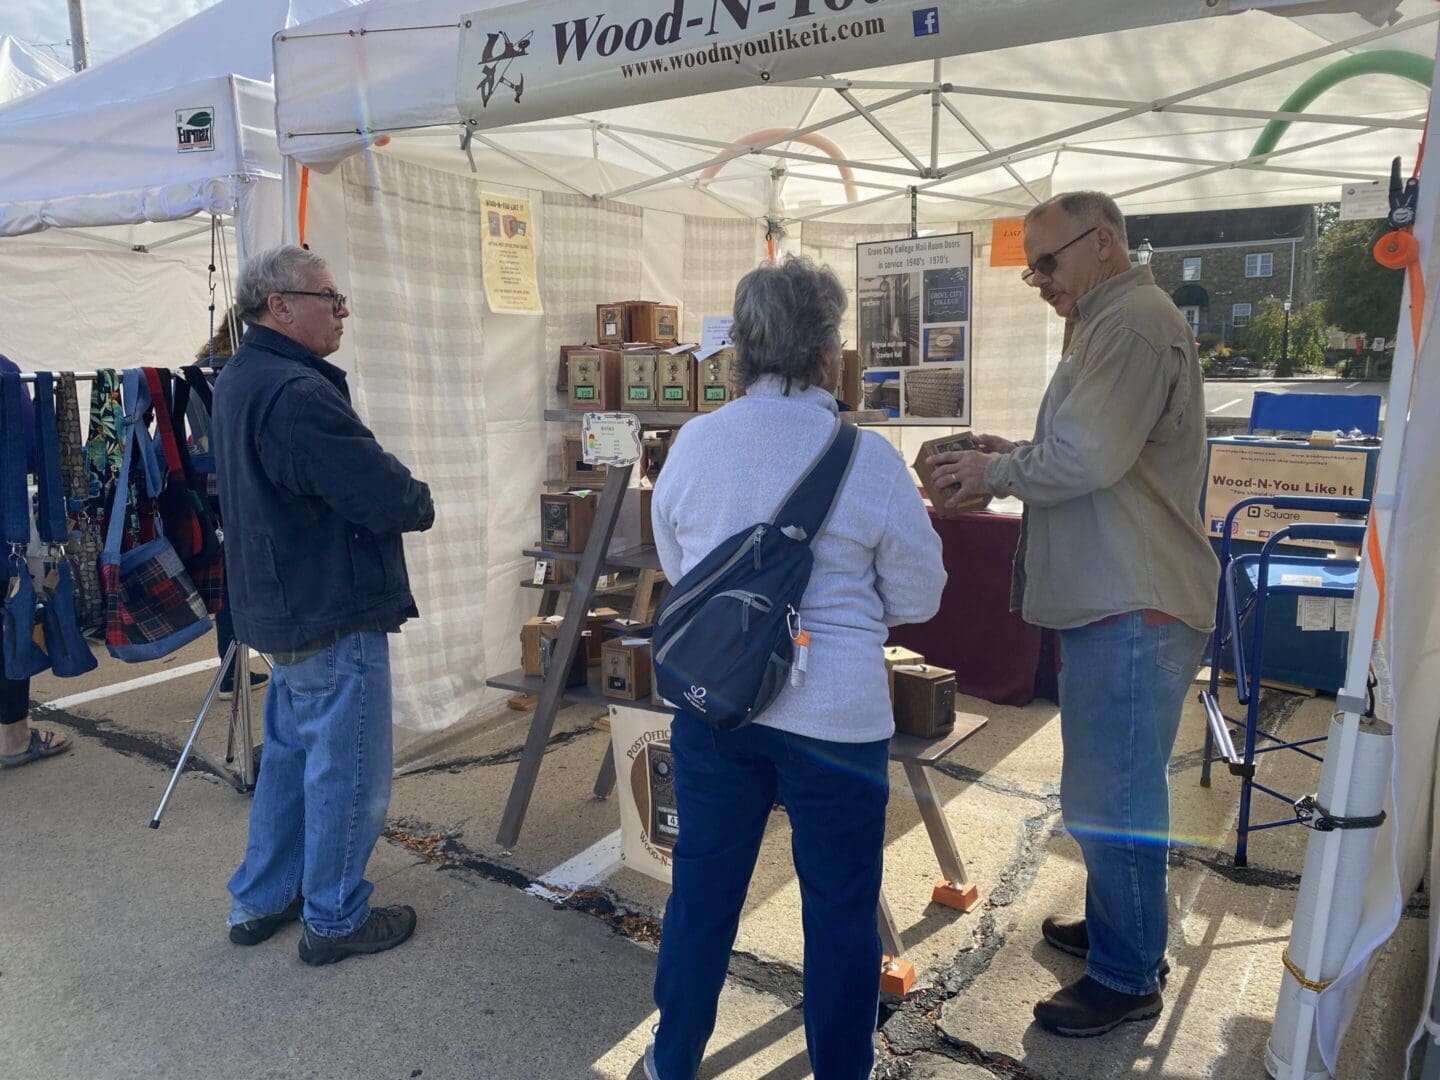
(995, 654)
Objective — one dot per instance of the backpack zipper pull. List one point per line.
(755, 543)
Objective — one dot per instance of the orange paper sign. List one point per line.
(1007, 242)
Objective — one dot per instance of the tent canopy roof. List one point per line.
(24, 70)
(101, 147)
(1164, 115)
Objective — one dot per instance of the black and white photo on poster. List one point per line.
(914, 306)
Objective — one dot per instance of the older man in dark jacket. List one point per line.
(314, 509)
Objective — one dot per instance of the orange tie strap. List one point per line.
(304, 200)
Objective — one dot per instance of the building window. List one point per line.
(1259, 264)
(1240, 315)
(1192, 316)
(1190, 269)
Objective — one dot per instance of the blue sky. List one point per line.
(115, 26)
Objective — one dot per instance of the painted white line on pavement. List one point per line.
(1352, 386)
(131, 684)
(1219, 408)
(595, 863)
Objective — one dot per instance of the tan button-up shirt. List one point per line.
(1112, 481)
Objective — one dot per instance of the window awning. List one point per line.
(1191, 295)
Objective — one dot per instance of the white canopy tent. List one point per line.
(1161, 104)
(25, 69)
(102, 175)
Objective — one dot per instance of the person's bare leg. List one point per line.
(15, 738)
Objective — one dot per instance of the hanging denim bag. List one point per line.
(23, 656)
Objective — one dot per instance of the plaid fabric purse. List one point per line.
(185, 510)
(85, 540)
(151, 606)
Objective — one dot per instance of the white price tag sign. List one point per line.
(1359, 202)
(610, 438)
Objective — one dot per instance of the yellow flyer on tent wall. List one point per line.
(507, 245)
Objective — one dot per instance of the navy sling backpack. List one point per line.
(725, 639)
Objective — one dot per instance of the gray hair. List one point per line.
(281, 269)
(1087, 208)
(786, 317)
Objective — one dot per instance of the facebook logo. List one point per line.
(927, 21)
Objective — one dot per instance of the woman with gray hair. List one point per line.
(822, 747)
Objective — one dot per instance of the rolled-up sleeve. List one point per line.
(1089, 447)
(909, 567)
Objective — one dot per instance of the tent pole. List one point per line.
(1307, 950)
(291, 201)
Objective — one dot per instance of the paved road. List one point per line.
(1232, 397)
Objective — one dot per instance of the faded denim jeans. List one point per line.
(323, 789)
(1122, 687)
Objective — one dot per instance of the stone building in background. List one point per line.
(1218, 265)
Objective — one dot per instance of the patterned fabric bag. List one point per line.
(183, 508)
(151, 606)
(104, 449)
(85, 539)
(64, 644)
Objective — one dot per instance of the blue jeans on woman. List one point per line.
(321, 797)
(1123, 684)
(835, 795)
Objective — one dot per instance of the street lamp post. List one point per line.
(1285, 342)
(1144, 253)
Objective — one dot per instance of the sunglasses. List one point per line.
(1048, 263)
(337, 299)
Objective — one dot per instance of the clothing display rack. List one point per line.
(916, 755)
(237, 658)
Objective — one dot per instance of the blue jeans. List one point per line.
(1122, 688)
(835, 794)
(323, 789)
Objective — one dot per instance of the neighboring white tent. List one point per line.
(1160, 104)
(178, 126)
(24, 69)
(103, 172)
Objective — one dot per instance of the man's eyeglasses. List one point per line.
(1048, 263)
(337, 299)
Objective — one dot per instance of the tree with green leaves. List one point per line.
(1360, 295)
(1264, 339)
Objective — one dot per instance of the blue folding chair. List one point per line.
(1266, 574)
(1315, 412)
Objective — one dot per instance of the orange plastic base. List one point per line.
(959, 897)
(897, 976)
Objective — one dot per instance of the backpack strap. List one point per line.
(810, 502)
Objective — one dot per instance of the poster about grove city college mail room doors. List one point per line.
(913, 311)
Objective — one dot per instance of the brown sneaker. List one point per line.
(1087, 1008)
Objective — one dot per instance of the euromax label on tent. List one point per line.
(533, 61)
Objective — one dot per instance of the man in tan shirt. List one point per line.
(1114, 556)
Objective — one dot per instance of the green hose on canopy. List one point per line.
(1407, 65)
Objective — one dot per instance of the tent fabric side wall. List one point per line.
(74, 304)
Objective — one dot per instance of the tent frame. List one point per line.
(934, 175)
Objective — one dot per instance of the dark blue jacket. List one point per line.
(313, 506)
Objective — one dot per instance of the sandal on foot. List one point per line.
(42, 745)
